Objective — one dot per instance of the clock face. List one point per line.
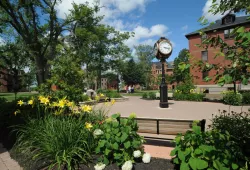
(165, 47)
(155, 49)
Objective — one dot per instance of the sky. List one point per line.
(151, 19)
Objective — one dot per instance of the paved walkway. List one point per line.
(6, 163)
(176, 110)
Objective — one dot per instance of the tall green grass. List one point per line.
(54, 143)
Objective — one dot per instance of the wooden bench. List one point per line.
(158, 126)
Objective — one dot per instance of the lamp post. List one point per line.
(163, 50)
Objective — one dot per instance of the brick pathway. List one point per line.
(6, 163)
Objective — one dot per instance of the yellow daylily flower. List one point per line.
(31, 102)
(61, 103)
(112, 101)
(70, 104)
(44, 100)
(86, 108)
(20, 102)
(101, 95)
(88, 125)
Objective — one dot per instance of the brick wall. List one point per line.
(196, 53)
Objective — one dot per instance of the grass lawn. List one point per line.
(11, 96)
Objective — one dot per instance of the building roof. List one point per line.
(170, 64)
(242, 20)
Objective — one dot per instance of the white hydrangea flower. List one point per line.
(127, 165)
(146, 158)
(137, 154)
(98, 132)
(99, 166)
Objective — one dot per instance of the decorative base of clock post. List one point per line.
(163, 96)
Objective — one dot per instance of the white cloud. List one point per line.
(110, 8)
(184, 28)
(208, 15)
(149, 36)
(114, 11)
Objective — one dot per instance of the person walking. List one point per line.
(129, 89)
(132, 89)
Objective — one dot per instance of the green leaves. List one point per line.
(124, 137)
(197, 163)
(119, 140)
(184, 166)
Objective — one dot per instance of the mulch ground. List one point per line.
(155, 164)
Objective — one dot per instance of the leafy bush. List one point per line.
(54, 142)
(112, 94)
(119, 140)
(144, 95)
(84, 97)
(185, 87)
(207, 150)
(152, 95)
(3, 100)
(231, 98)
(72, 93)
(188, 97)
(237, 125)
(246, 97)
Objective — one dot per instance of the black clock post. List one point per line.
(163, 49)
(163, 87)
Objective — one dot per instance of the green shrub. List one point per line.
(207, 150)
(72, 93)
(144, 95)
(188, 97)
(119, 140)
(152, 95)
(246, 97)
(55, 142)
(112, 94)
(231, 98)
(84, 97)
(185, 87)
(3, 100)
(237, 125)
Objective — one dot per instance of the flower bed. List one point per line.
(60, 135)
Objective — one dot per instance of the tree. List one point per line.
(67, 74)
(145, 57)
(180, 61)
(13, 60)
(132, 73)
(39, 36)
(101, 47)
(238, 53)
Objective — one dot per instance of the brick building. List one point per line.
(156, 70)
(222, 27)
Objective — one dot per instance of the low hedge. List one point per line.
(246, 98)
(231, 98)
(188, 97)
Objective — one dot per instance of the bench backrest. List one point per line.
(166, 126)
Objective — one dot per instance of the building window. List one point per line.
(228, 20)
(204, 55)
(228, 33)
(204, 74)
